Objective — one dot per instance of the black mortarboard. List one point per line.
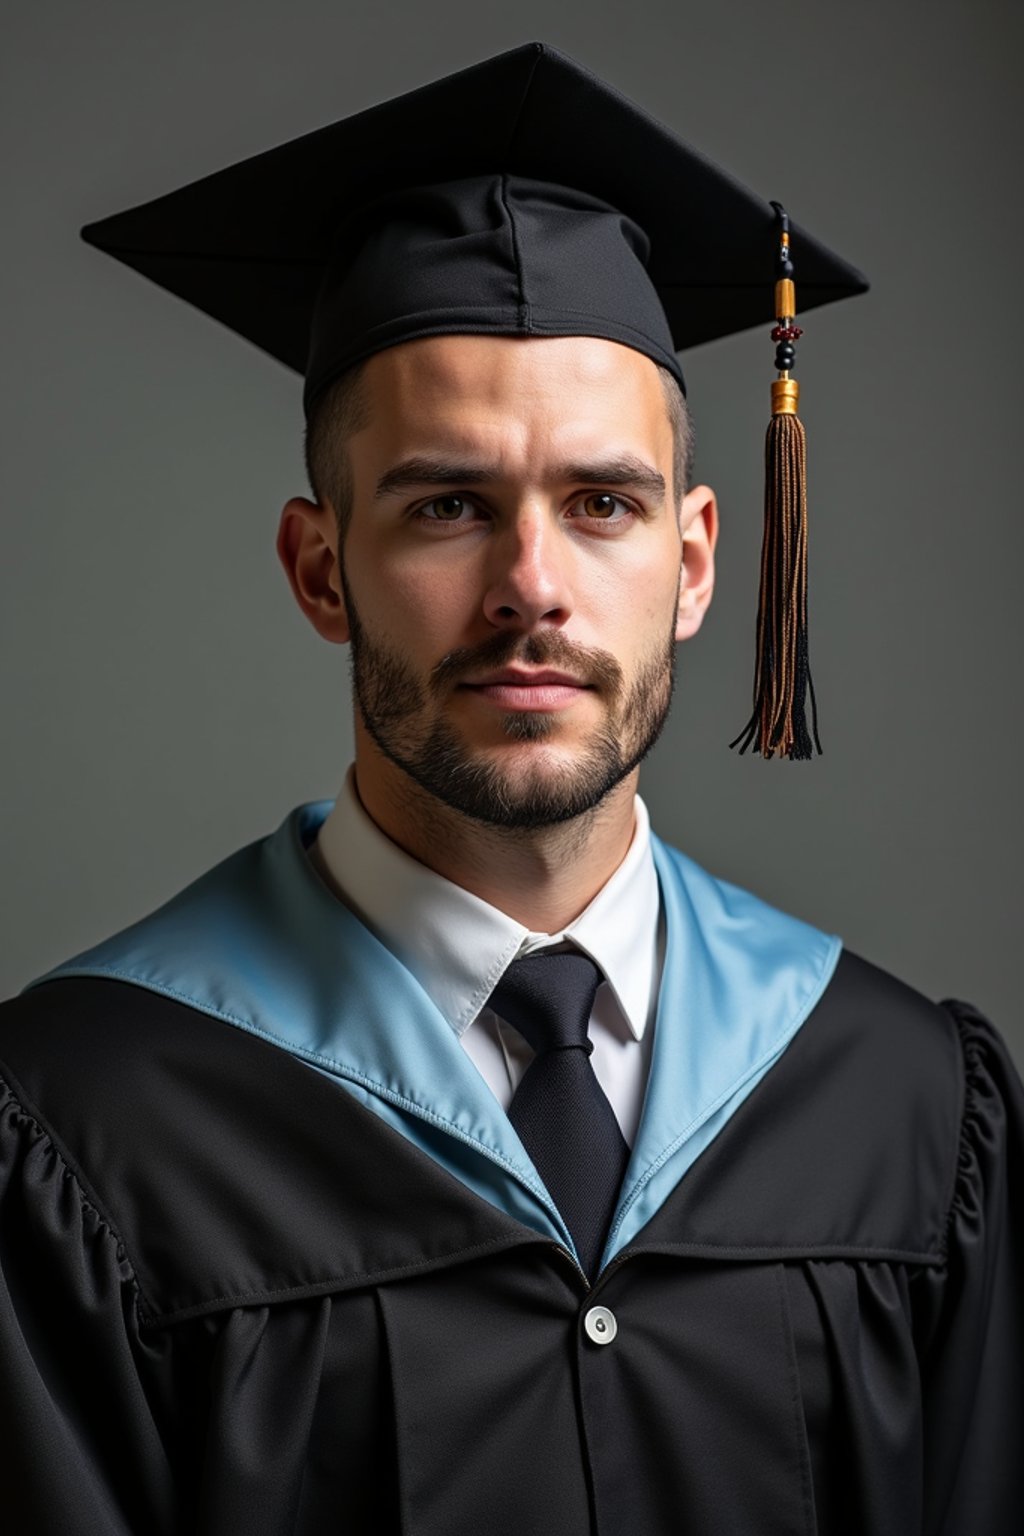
(521, 196)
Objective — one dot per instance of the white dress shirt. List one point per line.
(458, 946)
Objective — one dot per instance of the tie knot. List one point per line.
(549, 998)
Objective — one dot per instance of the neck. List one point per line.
(543, 877)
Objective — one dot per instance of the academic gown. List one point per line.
(238, 1299)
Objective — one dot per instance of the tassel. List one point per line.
(782, 677)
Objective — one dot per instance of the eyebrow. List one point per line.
(623, 469)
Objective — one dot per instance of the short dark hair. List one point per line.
(344, 408)
(681, 423)
(341, 410)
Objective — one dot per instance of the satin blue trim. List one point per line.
(260, 943)
(738, 981)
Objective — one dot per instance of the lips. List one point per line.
(517, 678)
(513, 689)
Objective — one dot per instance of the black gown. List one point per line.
(236, 1303)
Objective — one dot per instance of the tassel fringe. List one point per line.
(782, 676)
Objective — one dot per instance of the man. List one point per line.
(461, 1156)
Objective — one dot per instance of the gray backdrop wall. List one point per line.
(163, 701)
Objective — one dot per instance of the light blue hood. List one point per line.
(260, 943)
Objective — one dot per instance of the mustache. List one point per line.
(598, 669)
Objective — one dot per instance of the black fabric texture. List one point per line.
(521, 196)
(500, 255)
(559, 1109)
(234, 1300)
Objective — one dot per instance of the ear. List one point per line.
(307, 547)
(698, 525)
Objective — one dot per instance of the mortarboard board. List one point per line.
(522, 196)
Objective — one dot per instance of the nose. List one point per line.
(528, 577)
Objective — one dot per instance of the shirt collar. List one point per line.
(457, 945)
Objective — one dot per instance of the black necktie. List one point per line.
(559, 1109)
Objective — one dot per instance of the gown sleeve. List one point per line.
(973, 1356)
(80, 1451)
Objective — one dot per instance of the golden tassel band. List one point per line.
(785, 397)
(785, 299)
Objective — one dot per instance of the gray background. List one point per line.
(163, 700)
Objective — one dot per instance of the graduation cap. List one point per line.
(520, 197)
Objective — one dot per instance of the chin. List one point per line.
(527, 785)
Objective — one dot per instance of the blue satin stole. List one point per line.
(260, 943)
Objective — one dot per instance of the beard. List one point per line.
(404, 717)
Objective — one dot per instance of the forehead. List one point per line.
(534, 389)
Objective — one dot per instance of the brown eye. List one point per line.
(601, 504)
(446, 509)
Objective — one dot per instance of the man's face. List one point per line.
(511, 571)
